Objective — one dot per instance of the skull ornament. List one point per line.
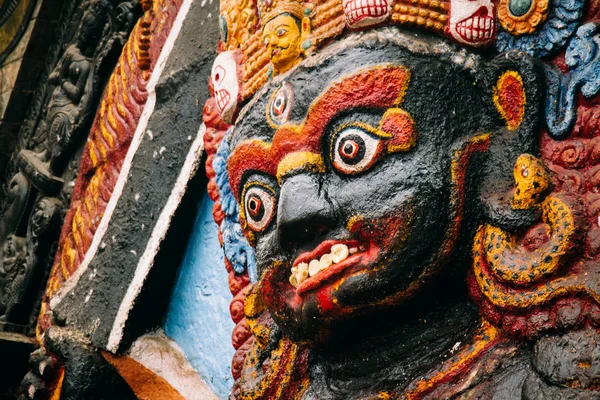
(472, 22)
(224, 77)
(361, 13)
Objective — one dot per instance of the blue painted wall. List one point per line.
(198, 319)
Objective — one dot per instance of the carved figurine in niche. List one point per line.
(69, 106)
(71, 78)
(285, 29)
(28, 225)
(408, 240)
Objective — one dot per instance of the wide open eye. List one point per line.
(354, 150)
(280, 105)
(259, 207)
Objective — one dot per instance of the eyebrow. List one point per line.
(378, 87)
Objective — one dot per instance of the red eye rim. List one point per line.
(254, 206)
(277, 115)
(265, 197)
(354, 150)
(372, 148)
(278, 109)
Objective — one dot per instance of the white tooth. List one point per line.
(373, 11)
(339, 252)
(469, 34)
(294, 280)
(359, 13)
(488, 24)
(314, 267)
(482, 23)
(325, 261)
(353, 250)
(470, 22)
(302, 273)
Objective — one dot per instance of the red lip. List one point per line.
(362, 258)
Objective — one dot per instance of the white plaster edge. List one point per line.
(163, 356)
(135, 144)
(163, 223)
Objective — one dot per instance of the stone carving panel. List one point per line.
(37, 193)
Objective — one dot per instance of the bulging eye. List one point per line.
(281, 105)
(218, 74)
(259, 207)
(354, 150)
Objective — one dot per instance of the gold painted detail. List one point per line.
(502, 264)
(300, 160)
(524, 24)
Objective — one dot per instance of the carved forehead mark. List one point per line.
(382, 86)
(379, 87)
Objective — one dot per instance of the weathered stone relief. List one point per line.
(37, 193)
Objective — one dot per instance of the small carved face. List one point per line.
(91, 29)
(360, 13)
(282, 37)
(226, 85)
(472, 22)
(348, 199)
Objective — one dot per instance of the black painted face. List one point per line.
(354, 183)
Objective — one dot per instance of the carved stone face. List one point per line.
(472, 22)
(354, 185)
(361, 13)
(226, 85)
(282, 37)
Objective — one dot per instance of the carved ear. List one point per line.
(514, 85)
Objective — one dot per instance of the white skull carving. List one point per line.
(472, 22)
(360, 13)
(226, 85)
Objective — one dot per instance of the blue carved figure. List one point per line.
(236, 247)
(564, 18)
(582, 58)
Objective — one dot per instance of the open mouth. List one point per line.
(329, 259)
(223, 97)
(357, 10)
(275, 52)
(479, 26)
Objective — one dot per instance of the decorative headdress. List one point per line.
(270, 9)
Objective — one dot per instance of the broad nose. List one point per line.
(305, 212)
